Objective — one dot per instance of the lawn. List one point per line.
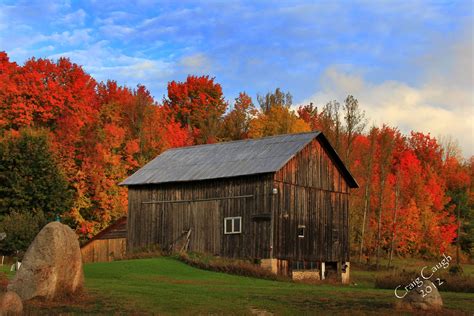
(167, 286)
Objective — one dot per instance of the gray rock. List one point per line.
(52, 265)
(425, 297)
(10, 304)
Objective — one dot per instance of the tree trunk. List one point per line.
(367, 195)
(364, 219)
(458, 244)
(395, 210)
(379, 224)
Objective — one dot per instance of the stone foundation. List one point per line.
(308, 275)
(270, 264)
(276, 266)
(281, 267)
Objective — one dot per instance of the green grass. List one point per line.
(6, 269)
(167, 286)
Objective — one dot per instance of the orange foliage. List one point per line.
(102, 132)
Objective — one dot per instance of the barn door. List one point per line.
(262, 230)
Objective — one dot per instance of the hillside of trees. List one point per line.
(66, 141)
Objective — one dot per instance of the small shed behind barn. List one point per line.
(108, 245)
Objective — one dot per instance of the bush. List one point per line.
(21, 229)
(231, 266)
(151, 251)
(450, 282)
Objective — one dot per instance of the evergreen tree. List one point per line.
(30, 179)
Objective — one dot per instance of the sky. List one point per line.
(409, 63)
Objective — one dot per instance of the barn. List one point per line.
(281, 200)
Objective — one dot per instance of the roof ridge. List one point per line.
(242, 140)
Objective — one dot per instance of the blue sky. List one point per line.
(408, 62)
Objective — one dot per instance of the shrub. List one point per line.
(450, 282)
(151, 251)
(21, 229)
(231, 266)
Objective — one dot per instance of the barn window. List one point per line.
(301, 231)
(232, 225)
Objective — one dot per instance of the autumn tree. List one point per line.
(274, 99)
(354, 119)
(309, 113)
(198, 104)
(416, 195)
(327, 120)
(276, 116)
(458, 183)
(237, 122)
(385, 144)
(367, 163)
(278, 120)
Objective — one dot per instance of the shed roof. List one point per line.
(114, 231)
(229, 159)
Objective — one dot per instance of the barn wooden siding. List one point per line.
(108, 245)
(313, 193)
(104, 250)
(163, 221)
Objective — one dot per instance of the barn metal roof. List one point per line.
(224, 160)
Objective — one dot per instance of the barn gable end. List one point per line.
(314, 193)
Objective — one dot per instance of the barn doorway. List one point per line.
(262, 229)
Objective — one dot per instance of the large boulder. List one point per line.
(52, 265)
(426, 297)
(10, 304)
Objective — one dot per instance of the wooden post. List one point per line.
(323, 270)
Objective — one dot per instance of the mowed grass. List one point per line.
(167, 286)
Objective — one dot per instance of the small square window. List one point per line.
(232, 225)
(301, 231)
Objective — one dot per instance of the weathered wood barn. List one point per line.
(282, 199)
(108, 245)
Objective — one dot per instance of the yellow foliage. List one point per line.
(278, 120)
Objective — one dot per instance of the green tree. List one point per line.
(30, 178)
(21, 229)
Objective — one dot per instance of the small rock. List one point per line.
(425, 297)
(52, 265)
(10, 304)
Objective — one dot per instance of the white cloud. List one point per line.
(75, 38)
(197, 63)
(433, 107)
(75, 18)
(442, 103)
(105, 63)
(116, 31)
